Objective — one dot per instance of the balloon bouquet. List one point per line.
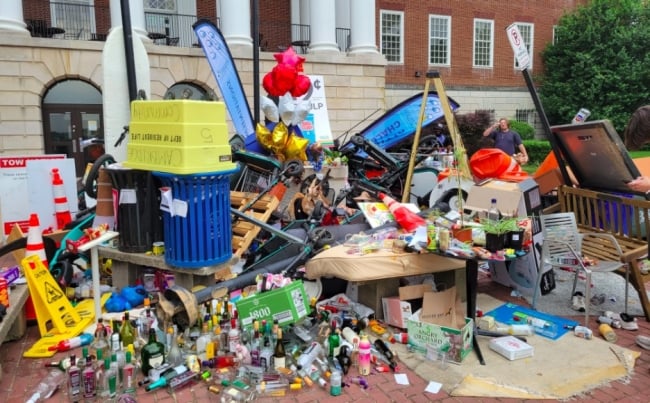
(281, 135)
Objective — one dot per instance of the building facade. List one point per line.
(372, 54)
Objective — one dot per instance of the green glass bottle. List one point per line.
(127, 333)
(153, 353)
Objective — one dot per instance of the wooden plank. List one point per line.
(245, 232)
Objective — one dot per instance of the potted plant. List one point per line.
(497, 232)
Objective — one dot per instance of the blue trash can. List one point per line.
(197, 227)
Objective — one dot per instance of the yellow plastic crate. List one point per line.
(178, 134)
(178, 111)
(179, 160)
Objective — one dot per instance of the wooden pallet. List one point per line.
(244, 232)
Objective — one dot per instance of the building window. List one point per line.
(526, 116)
(392, 35)
(160, 5)
(526, 30)
(483, 42)
(439, 39)
(554, 34)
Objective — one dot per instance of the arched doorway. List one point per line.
(184, 90)
(73, 122)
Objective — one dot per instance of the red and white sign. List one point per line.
(518, 46)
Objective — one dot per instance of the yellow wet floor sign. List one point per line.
(57, 319)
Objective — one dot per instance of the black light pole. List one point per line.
(256, 60)
(128, 50)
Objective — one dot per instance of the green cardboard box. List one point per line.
(429, 339)
(288, 305)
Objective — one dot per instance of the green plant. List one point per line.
(334, 157)
(501, 226)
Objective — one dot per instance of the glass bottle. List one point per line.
(63, 365)
(233, 336)
(279, 354)
(128, 375)
(74, 379)
(493, 214)
(100, 342)
(334, 341)
(153, 353)
(127, 334)
(47, 386)
(110, 378)
(89, 381)
(175, 356)
(167, 376)
(202, 342)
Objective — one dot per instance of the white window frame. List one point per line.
(474, 43)
(555, 28)
(447, 39)
(383, 13)
(529, 40)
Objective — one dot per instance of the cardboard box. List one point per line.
(510, 197)
(549, 181)
(456, 343)
(398, 309)
(288, 305)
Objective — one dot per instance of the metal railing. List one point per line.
(89, 22)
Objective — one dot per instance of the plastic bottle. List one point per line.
(493, 213)
(607, 332)
(402, 338)
(309, 355)
(364, 355)
(47, 386)
(516, 330)
(335, 383)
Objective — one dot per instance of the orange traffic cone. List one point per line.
(35, 244)
(104, 210)
(61, 209)
(36, 247)
(404, 217)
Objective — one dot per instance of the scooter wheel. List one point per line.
(323, 237)
(293, 168)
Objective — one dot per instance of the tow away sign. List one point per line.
(518, 46)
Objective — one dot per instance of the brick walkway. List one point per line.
(20, 376)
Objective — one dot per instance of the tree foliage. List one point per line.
(600, 61)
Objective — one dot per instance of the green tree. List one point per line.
(599, 61)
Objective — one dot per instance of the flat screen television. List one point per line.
(596, 155)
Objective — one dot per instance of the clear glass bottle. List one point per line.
(74, 379)
(202, 342)
(47, 386)
(110, 378)
(100, 342)
(153, 353)
(175, 356)
(89, 381)
(128, 376)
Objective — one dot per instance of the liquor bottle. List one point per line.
(344, 359)
(221, 361)
(99, 375)
(279, 355)
(114, 340)
(74, 380)
(47, 386)
(128, 375)
(167, 376)
(100, 342)
(110, 378)
(493, 214)
(202, 342)
(114, 366)
(63, 365)
(233, 336)
(153, 353)
(127, 334)
(334, 341)
(175, 356)
(309, 355)
(255, 343)
(364, 355)
(381, 346)
(89, 380)
(335, 383)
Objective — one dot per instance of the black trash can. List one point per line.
(139, 219)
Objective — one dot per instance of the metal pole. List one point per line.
(256, 62)
(547, 127)
(406, 192)
(128, 50)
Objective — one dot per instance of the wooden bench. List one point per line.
(628, 219)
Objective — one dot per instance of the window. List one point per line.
(161, 5)
(483, 42)
(439, 39)
(392, 35)
(555, 28)
(527, 116)
(526, 30)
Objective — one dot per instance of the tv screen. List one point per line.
(596, 155)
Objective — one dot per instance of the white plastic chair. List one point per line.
(563, 247)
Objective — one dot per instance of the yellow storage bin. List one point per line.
(178, 111)
(178, 134)
(179, 160)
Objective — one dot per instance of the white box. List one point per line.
(511, 347)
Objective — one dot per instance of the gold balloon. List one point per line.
(263, 136)
(279, 138)
(296, 147)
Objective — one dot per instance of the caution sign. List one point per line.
(53, 293)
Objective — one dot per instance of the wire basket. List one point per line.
(253, 181)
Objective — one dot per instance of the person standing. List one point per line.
(636, 135)
(506, 140)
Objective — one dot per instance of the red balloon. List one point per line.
(269, 85)
(301, 86)
(284, 77)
